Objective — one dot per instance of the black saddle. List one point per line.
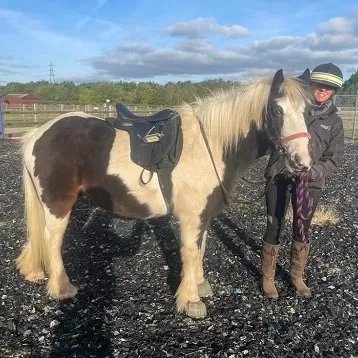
(125, 114)
(155, 141)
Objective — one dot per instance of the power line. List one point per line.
(52, 74)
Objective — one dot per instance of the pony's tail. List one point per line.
(34, 257)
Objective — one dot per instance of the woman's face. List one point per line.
(323, 93)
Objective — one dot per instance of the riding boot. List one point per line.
(268, 265)
(299, 255)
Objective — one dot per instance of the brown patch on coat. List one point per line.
(71, 158)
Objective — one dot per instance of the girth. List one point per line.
(156, 143)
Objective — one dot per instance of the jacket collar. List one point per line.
(323, 110)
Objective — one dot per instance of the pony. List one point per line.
(78, 154)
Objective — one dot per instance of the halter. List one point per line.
(275, 134)
(281, 144)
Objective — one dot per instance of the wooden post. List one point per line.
(35, 112)
(2, 134)
(355, 117)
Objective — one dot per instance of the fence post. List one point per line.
(355, 116)
(2, 134)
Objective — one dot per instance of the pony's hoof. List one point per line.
(204, 289)
(196, 309)
(61, 293)
(35, 276)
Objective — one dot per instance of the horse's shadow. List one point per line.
(219, 226)
(90, 249)
(167, 240)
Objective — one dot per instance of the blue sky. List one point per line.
(161, 41)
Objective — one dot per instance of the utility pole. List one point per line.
(52, 75)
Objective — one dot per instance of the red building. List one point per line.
(19, 98)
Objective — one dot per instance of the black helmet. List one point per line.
(328, 74)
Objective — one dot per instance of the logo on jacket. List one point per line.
(326, 127)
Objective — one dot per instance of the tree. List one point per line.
(351, 85)
(87, 95)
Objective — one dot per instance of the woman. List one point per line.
(327, 141)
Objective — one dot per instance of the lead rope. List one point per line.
(304, 205)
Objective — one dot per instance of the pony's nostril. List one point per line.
(297, 159)
(299, 163)
(305, 168)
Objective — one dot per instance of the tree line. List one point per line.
(146, 93)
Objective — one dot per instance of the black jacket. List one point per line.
(327, 140)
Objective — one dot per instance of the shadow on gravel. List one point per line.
(220, 225)
(169, 245)
(90, 246)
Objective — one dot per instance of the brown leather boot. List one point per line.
(268, 265)
(299, 255)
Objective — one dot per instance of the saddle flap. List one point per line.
(151, 141)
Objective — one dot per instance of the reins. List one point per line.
(224, 191)
(226, 195)
(303, 199)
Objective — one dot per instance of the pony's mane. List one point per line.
(228, 115)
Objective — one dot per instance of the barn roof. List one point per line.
(17, 95)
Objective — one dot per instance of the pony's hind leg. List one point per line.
(31, 260)
(58, 285)
(204, 288)
(187, 295)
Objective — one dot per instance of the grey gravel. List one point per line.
(127, 272)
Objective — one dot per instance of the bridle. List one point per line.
(280, 143)
(274, 135)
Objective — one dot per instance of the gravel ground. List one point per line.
(127, 272)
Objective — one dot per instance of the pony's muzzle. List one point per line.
(299, 163)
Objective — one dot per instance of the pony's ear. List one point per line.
(277, 82)
(306, 75)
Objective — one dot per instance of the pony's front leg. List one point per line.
(58, 285)
(204, 288)
(188, 299)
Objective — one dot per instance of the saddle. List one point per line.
(156, 141)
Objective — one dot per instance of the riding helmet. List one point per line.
(328, 74)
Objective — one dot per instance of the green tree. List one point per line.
(351, 85)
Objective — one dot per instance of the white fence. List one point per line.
(33, 114)
(348, 110)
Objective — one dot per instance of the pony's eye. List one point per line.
(279, 112)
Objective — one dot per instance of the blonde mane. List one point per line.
(228, 115)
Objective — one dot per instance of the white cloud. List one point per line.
(134, 48)
(337, 25)
(195, 45)
(201, 26)
(335, 41)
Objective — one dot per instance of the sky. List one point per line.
(171, 40)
